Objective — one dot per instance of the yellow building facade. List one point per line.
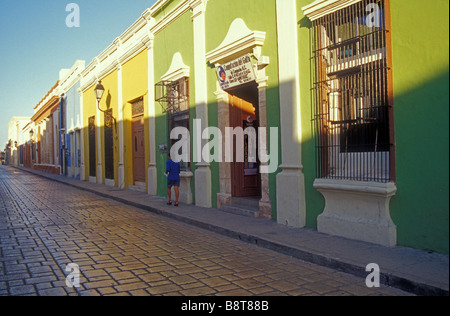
(117, 131)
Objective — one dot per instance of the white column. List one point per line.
(265, 205)
(203, 172)
(99, 148)
(152, 171)
(81, 144)
(291, 207)
(56, 140)
(121, 170)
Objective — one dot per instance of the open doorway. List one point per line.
(243, 111)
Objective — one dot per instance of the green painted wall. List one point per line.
(315, 202)
(176, 37)
(258, 16)
(420, 46)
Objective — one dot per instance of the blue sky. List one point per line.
(35, 44)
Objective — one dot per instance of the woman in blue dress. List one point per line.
(173, 180)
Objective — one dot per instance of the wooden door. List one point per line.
(245, 177)
(138, 143)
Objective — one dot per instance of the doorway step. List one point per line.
(245, 206)
(138, 186)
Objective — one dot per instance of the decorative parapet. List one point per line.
(177, 69)
(42, 109)
(69, 77)
(239, 41)
(125, 47)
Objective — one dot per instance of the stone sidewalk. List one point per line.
(415, 271)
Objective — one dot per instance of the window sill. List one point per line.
(357, 210)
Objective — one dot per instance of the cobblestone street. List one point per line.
(123, 250)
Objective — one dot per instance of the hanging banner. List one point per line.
(236, 72)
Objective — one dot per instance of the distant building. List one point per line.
(17, 139)
(46, 125)
(71, 121)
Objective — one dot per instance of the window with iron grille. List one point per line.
(174, 99)
(351, 93)
(173, 95)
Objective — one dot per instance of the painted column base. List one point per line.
(291, 207)
(82, 173)
(265, 205)
(185, 187)
(203, 186)
(152, 176)
(357, 210)
(109, 182)
(99, 174)
(265, 209)
(223, 199)
(121, 177)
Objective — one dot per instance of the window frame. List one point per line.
(178, 114)
(350, 59)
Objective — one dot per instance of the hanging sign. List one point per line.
(236, 72)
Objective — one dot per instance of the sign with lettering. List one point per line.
(236, 72)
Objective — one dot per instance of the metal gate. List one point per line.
(109, 144)
(92, 162)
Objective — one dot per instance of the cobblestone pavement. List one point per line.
(122, 250)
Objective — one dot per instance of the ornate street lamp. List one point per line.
(99, 91)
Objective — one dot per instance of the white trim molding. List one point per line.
(357, 210)
(125, 47)
(321, 8)
(239, 41)
(177, 69)
(167, 18)
(69, 77)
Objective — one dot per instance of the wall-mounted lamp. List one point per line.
(99, 91)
